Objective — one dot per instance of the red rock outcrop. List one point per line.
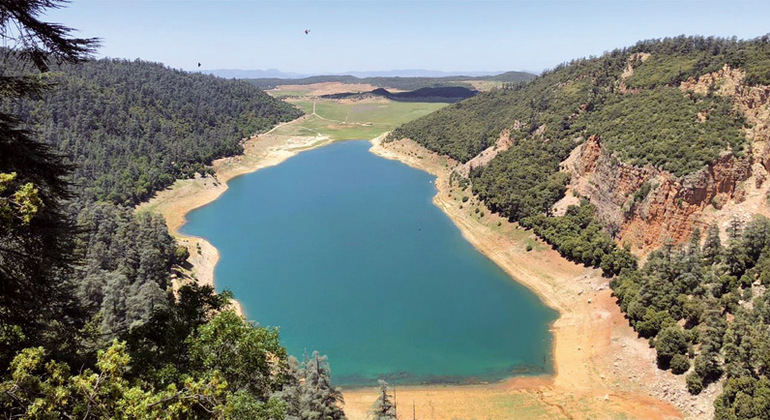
(730, 187)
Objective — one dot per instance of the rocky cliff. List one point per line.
(645, 206)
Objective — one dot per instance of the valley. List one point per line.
(589, 240)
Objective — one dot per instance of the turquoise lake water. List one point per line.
(345, 252)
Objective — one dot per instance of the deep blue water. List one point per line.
(345, 252)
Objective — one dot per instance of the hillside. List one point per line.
(98, 316)
(406, 83)
(643, 148)
(427, 94)
(131, 128)
(640, 112)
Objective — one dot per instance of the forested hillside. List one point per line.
(90, 325)
(657, 124)
(702, 306)
(130, 128)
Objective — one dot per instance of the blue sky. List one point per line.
(377, 35)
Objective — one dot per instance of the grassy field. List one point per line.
(286, 93)
(358, 120)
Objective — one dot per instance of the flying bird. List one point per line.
(307, 31)
(199, 64)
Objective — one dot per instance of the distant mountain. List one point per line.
(419, 73)
(253, 74)
(395, 82)
(278, 74)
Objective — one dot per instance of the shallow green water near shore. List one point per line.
(345, 252)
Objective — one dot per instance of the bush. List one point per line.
(694, 384)
(181, 254)
(671, 342)
(679, 364)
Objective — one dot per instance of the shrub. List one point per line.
(679, 364)
(694, 383)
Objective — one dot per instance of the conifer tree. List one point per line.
(383, 408)
(319, 399)
(35, 243)
(712, 248)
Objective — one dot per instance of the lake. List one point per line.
(346, 253)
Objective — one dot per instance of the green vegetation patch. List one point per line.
(667, 129)
(355, 120)
(131, 128)
(661, 70)
(525, 180)
(706, 305)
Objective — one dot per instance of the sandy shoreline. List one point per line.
(186, 195)
(601, 369)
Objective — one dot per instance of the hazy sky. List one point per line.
(379, 35)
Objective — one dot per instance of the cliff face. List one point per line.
(646, 206)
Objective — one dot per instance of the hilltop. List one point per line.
(132, 127)
(427, 94)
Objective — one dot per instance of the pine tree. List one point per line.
(319, 399)
(383, 408)
(291, 391)
(712, 248)
(35, 244)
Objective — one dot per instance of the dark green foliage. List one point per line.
(579, 237)
(181, 254)
(126, 263)
(475, 125)
(670, 342)
(679, 364)
(660, 127)
(658, 124)
(712, 248)
(160, 346)
(524, 181)
(133, 127)
(677, 59)
(240, 352)
(36, 298)
(728, 337)
(69, 295)
(694, 383)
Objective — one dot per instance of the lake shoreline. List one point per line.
(574, 374)
(588, 335)
(185, 195)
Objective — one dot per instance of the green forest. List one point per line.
(707, 306)
(90, 325)
(703, 307)
(130, 128)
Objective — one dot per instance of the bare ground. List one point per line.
(325, 88)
